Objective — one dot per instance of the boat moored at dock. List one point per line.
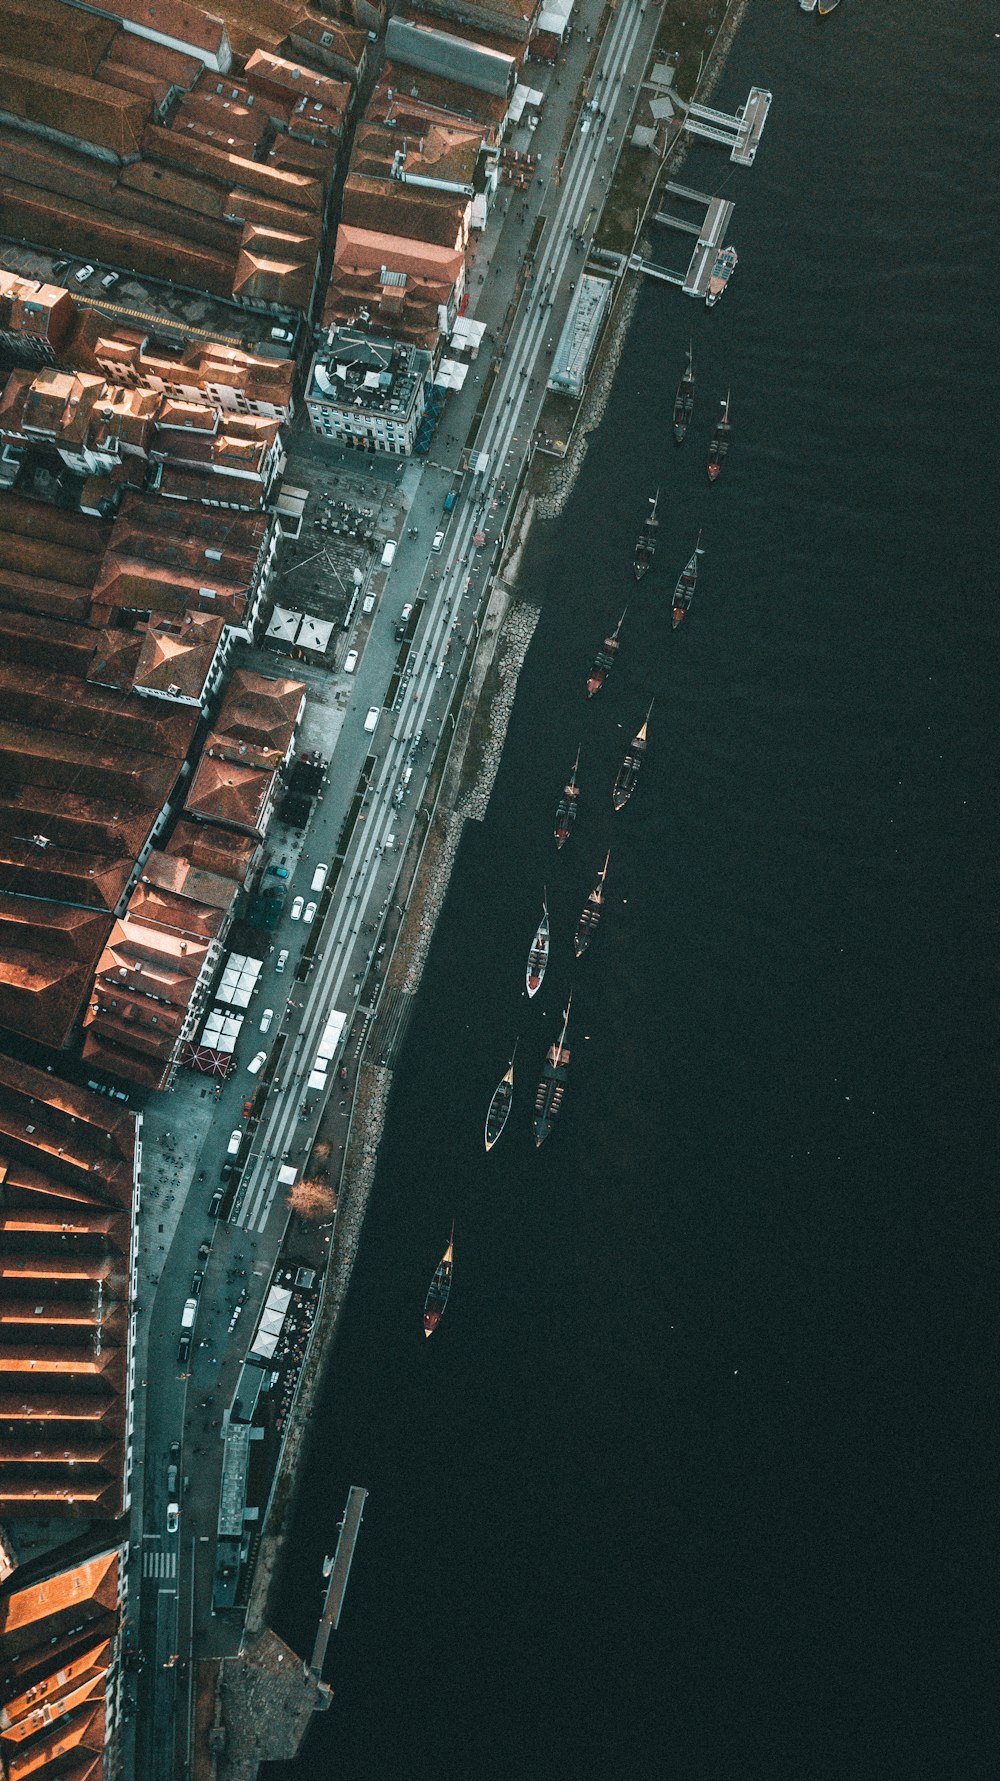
(645, 544)
(538, 957)
(592, 911)
(552, 1086)
(684, 400)
(440, 1287)
(628, 772)
(684, 591)
(604, 660)
(566, 809)
(722, 438)
(725, 265)
(499, 1107)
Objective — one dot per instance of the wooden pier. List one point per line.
(340, 1570)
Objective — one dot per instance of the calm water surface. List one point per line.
(692, 1480)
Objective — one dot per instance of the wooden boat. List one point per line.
(440, 1287)
(538, 957)
(499, 1107)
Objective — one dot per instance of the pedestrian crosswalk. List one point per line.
(159, 1564)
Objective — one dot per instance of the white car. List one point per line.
(310, 912)
(173, 1517)
(437, 541)
(256, 1063)
(282, 959)
(83, 274)
(297, 908)
(374, 713)
(350, 661)
(319, 878)
(266, 1019)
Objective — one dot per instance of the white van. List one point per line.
(319, 878)
(350, 661)
(256, 1063)
(374, 713)
(368, 604)
(388, 554)
(235, 1139)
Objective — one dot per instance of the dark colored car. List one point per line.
(215, 1204)
(184, 1347)
(197, 1283)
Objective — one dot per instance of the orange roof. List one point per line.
(82, 1590)
(222, 791)
(367, 249)
(86, 110)
(177, 19)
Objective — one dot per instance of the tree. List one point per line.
(312, 1201)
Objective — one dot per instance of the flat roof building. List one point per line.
(368, 392)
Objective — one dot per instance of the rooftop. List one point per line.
(378, 376)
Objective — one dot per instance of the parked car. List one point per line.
(257, 1063)
(109, 279)
(450, 498)
(282, 959)
(297, 908)
(279, 871)
(173, 1473)
(266, 1019)
(60, 266)
(388, 552)
(319, 878)
(404, 619)
(350, 661)
(310, 912)
(197, 1282)
(368, 604)
(173, 1517)
(437, 541)
(282, 334)
(83, 273)
(374, 713)
(235, 1140)
(215, 1203)
(184, 1347)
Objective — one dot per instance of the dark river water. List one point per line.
(694, 1479)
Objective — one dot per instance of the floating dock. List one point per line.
(340, 1570)
(739, 131)
(709, 235)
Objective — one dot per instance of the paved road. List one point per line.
(187, 1401)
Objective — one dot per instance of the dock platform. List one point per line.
(739, 131)
(709, 235)
(340, 1570)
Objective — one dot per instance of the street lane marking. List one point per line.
(159, 1564)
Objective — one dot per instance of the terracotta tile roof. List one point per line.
(179, 652)
(35, 641)
(214, 488)
(217, 117)
(55, 35)
(267, 73)
(158, 906)
(177, 19)
(172, 872)
(216, 851)
(47, 955)
(33, 310)
(222, 791)
(413, 213)
(307, 29)
(81, 1593)
(178, 149)
(83, 1140)
(274, 268)
(157, 59)
(368, 250)
(413, 92)
(258, 716)
(75, 106)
